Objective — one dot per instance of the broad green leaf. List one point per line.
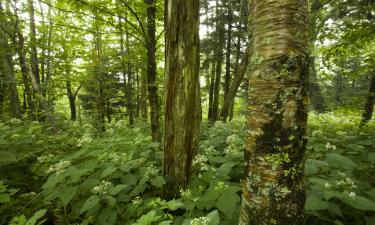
(115, 190)
(227, 203)
(339, 161)
(67, 194)
(175, 204)
(314, 203)
(36, 217)
(4, 198)
(51, 182)
(358, 202)
(90, 203)
(158, 181)
(168, 222)
(107, 216)
(214, 218)
(7, 157)
(148, 218)
(108, 171)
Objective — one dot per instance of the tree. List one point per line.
(370, 101)
(153, 97)
(273, 188)
(182, 92)
(6, 64)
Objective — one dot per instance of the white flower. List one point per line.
(151, 171)
(102, 188)
(330, 146)
(15, 121)
(200, 221)
(45, 158)
(185, 194)
(199, 159)
(137, 201)
(327, 185)
(59, 167)
(352, 194)
(220, 186)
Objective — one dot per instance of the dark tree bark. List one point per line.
(7, 65)
(182, 93)
(227, 76)
(370, 101)
(129, 92)
(273, 186)
(153, 97)
(315, 93)
(211, 93)
(143, 100)
(220, 30)
(72, 99)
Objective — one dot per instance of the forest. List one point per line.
(187, 112)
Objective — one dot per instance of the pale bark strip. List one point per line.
(182, 91)
(273, 190)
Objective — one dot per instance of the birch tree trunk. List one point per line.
(182, 90)
(273, 188)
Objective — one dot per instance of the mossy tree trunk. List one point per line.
(182, 101)
(153, 97)
(273, 189)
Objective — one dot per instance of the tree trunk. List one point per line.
(153, 97)
(7, 65)
(143, 100)
(219, 61)
(211, 93)
(273, 187)
(182, 87)
(33, 44)
(238, 78)
(315, 93)
(228, 52)
(129, 94)
(370, 101)
(72, 101)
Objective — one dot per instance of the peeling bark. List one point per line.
(273, 189)
(182, 101)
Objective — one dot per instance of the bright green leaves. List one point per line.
(90, 203)
(107, 216)
(67, 194)
(158, 181)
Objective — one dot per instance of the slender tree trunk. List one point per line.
(315, 93)
(138, 95)
(219, 62)
(238, 78)
(129, 94)
(72, 101)
(7, 65)
(339, 89)
(144, 106)
(33, 44)
(273, 187)
(228, 52)
(100, 77)
(182, 87)
(211, 93)
(370, 101)
(153, 97)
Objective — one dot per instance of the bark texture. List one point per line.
(273, 189)
(182, 109)
(370, 101)
(153, 97)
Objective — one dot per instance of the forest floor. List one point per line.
(81, 176)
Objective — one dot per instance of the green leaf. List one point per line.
(51, 182)
(214, 218)
(358, 202)
(158, 181)
(36, 217)
(4, 198)
(90, 203)
(108, 171)
(371, 157)
(227, 203)
(175, 204)
(7, 157)
(107, 216)
(167, 222)
(67, 194)
(314, 203)
(339, 161)
(111, 200)
(115, 190)
(148, 218)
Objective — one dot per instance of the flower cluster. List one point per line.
(330, 146)
(200, 221)
(210, 149)
(59, 167)
(199, 159)
(116, 157)
(45, 158)
(344, 184)
(220, 186)
(341, 133)
(151, 171)
(15, 121)
(102, 188)
(137, 201)
(185, 194)
(85, 139)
